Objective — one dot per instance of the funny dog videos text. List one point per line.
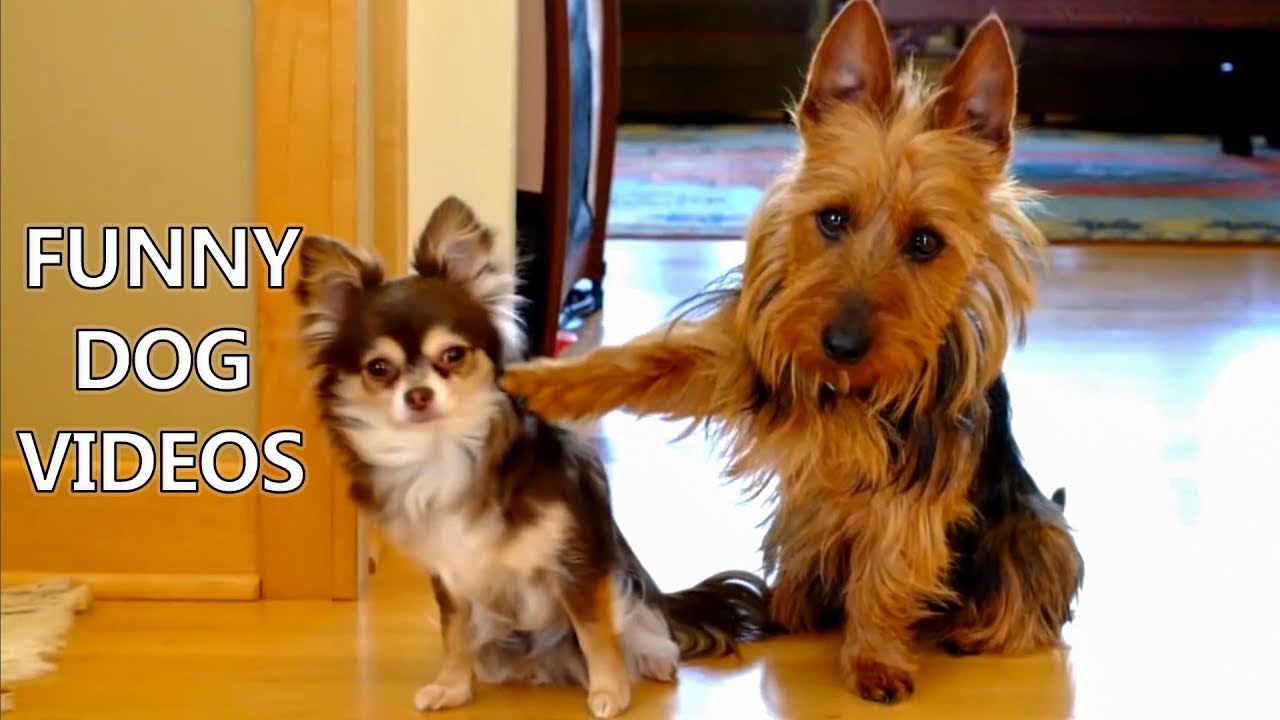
(105, 357)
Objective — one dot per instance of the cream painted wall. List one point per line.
(116, 113)
(130, 111)
(531, 101)
(140, 111)
(462, 111)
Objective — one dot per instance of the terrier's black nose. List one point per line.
(418, 398)
(845, 344)
(847, 338)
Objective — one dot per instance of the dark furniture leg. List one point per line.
(1233, 107)
(1237, 144)
(562, 227)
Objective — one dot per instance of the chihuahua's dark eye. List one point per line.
(453, 355)
(379, 369)
(923, 245)
(832, 222)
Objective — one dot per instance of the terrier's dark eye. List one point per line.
(379, 369)
(453, 355)
(923, 245)
(831, 222)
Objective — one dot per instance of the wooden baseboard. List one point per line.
(143, 544)
(129, 586)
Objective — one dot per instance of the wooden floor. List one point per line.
(1150, 388)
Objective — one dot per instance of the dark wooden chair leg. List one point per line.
(1233, 103)
(556, 262)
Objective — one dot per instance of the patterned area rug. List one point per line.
(34, 621)
(704, 182)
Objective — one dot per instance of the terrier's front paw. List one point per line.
(608, 702)
(877, 682)
(956, 648)
(521, 380)
(440, 696)
(528, 383)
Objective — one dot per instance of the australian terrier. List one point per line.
(855, 365)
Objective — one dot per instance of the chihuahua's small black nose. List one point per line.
(418, 398)
(847, 338)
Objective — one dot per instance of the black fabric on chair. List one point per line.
(581, 220)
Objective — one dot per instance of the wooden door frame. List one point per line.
(305, 66)
(313, 60)
(388, 76)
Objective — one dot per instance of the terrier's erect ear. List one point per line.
(852, 63)
(455, 245)
(332, 278)
(981, 86)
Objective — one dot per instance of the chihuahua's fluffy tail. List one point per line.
(712, 617)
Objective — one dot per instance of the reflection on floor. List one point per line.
(1148, 388)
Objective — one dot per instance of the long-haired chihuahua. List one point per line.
(510, 516)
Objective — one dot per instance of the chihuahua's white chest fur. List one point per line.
(497, 569)
(428, 472)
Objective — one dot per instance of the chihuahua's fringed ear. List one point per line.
(332, 278)
(455, 245)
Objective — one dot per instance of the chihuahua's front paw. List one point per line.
(656, 667)
(441, 696)
(609, 702)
